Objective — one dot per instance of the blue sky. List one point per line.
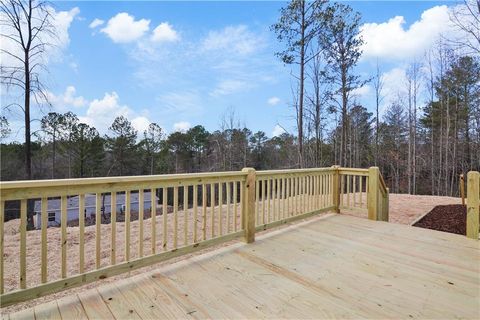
(185, 63)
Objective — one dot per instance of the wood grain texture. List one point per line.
(326, 267)
(473, 204)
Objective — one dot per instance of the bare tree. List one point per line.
(297, 27)
(342, 42)
(26, 26)
(413, 82)
(378, 86)
(466, 18)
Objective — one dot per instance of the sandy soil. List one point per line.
(406, 209)
(403, 209)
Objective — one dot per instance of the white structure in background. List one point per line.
(54, 214)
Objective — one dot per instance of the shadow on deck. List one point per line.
(335, 266)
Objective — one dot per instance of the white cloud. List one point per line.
(277, 131)
(123, 28)
(273, 101)
(60, 20)
(183, 103)
(392, 40)
(227, 87)
(101, 113)
(140, 124)
(181, 126)
(362, 91)
(236, 39)
(164, 32)
(95, 23)
(394, 83)
(66, 100)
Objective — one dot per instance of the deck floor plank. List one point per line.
(48, 310)
(94, 306)
(337, 266)
(120, 307)
(71, 308)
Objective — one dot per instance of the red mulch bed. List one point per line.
(450, 218)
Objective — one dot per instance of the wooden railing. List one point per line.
(184, 213)
(286, 195)
(473, 204)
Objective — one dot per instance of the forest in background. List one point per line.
(420, 146)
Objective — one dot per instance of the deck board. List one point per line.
(337, 266)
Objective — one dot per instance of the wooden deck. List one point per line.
(336, 266)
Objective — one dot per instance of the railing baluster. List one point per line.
(165, 218)
(23, 244)
(175, 217)
(274, 196)
(287, 211)
(2, 221)
(63, 225)
(141, 206)
(212, 210)
(283, 198)
(113, 222)
(228, 205)
(294, 196)
(342, 191)
(366, 191)
(220, 208)
(310, 193)
(98, 221)
(204, 212)
(354, 191)
(195, 212)
(127, 225)
(264, 199)
(81, 223)
(242, 205)
(44, 217)
(277, 194)
(269, 190)
(348, 190)
(153, 218)
(185, 215)
(304, 187)
(361, 191)
(235, 201)
(257, 202)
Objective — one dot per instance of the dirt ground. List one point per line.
(404, 209)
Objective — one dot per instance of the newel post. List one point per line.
(336, 188)
(372, 195)
(248, 208)
(473, 204)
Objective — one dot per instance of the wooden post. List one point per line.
(473, 204)
(249, 205)
(336, 189)
(462, 188)
(387, 205)
(372, 195)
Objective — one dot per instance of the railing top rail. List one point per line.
(353, 171)
(382, 184)
(292, 171)
(16, 190)
(7, 185)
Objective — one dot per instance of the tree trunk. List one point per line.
(301, 93)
